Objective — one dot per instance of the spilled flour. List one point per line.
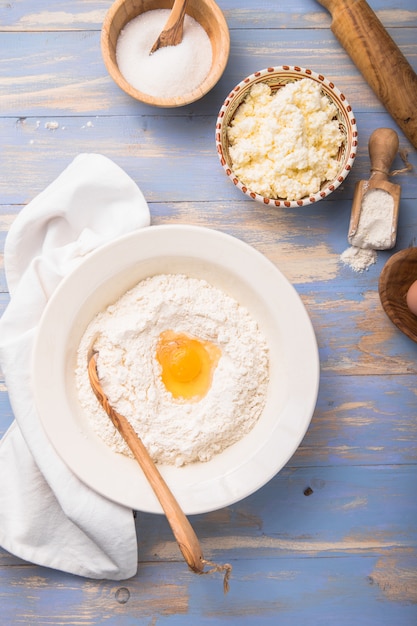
(358, 259)
(126, 334)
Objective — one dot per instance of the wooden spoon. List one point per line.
(181, 527)
(173, 29)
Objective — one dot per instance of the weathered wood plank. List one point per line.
(280, 520)
(82, 15)
(361, 420)
(60, 72)
(355, 510)
(364, 591)
(357, 420)
(171, 160)
(349, 532)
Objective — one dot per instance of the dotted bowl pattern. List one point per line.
(277, 77)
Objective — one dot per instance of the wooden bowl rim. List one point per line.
(393, 290)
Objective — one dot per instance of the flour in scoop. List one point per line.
(171, 71)
(126, 334)
(374, 231)
(376, 221)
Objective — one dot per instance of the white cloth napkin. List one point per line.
(47, 516)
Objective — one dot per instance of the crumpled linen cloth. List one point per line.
(47, 515)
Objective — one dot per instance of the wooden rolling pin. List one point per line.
(378, 58)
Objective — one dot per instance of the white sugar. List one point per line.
(170, 71)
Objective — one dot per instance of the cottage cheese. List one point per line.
(284, 145)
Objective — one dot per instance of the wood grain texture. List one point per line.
(332, 539)
(366, 590)
(143, 147)
(42, 80)
(89, 14)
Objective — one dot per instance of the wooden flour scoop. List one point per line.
(378, 58)
(383, 146)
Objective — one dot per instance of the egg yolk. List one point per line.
(187, 364)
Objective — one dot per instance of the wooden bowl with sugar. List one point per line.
(207, 15)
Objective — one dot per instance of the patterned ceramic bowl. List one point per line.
(277, 78)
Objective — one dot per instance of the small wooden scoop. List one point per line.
(383, 146)
(173, 29)
(181, 527)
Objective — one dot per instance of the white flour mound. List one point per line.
(126, 335)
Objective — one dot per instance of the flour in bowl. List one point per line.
(191, 425)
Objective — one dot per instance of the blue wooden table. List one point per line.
(332, 539)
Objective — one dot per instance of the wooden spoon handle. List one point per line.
(176, 15)
(181, 527)
(383, 146)
(379, 60)
(172, 32)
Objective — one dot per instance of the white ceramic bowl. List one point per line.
(241, 271)
(276, 78)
